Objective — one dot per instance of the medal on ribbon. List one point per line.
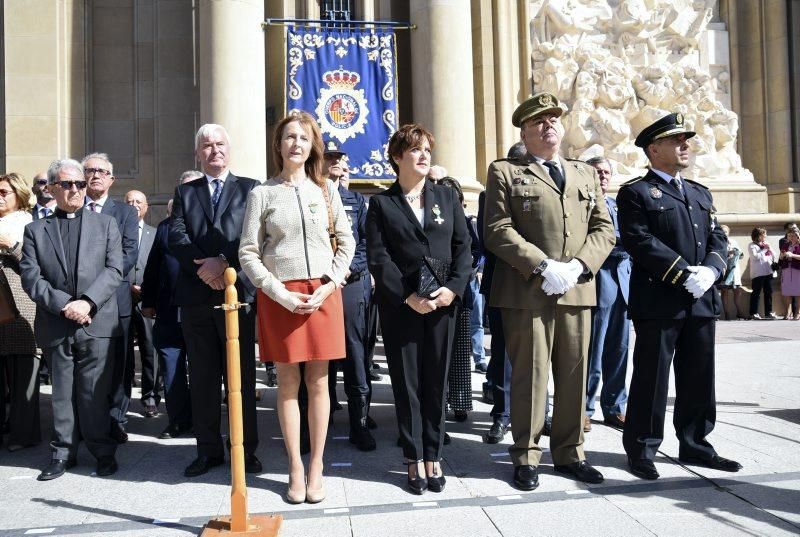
(438, 212)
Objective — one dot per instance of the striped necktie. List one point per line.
(217, 193)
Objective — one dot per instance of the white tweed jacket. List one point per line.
(285, 237)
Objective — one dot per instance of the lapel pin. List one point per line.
(438, 212)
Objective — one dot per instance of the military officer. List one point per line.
(668, 226)
(547, 223)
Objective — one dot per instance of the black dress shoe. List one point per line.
(174, 431)
(202, 464)
(416, 484)
(56, 468)
(526, 477)
(715, 462)
(460, 415)
(581, 470)
(496, 433)
(150, 411)
(437, 481)
(118, 433)
(251, 464)
(374, 376)
(106, 465)
(643, 468)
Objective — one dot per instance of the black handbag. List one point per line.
(432, 275)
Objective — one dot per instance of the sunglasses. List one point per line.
(40, 182)
(66, 185)
(5, 193)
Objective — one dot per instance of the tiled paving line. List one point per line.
(193, 524)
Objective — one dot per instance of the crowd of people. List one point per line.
(560, 266)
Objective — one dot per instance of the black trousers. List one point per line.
(142, 330)
(204, 333)
(80, 381)
(761, 283)
(21, 373)
(498, 373)
(119, 394)
(355, 366)
(418, 349)
(691, 342)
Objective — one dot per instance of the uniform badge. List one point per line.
(438, 212)
(655, 193)
(526, 206)
(516, 181)
(592, 200)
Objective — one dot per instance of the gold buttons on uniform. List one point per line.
(695, 225)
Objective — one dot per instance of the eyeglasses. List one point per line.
(6, 193)
(98, 171)
(66, 185)
(40, 182)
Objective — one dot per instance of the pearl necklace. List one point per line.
(414, 197)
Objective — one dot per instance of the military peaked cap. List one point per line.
(669, 125)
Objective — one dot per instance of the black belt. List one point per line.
(356, 277)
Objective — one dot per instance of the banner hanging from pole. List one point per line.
(346, 79)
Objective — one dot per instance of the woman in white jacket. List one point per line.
(761, 261)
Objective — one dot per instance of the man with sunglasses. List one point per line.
(45, 202)
(99, 173)
(71, 268)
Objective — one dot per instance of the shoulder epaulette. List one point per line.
(633, 180)
(695, 182)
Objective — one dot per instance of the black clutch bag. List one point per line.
(432, 275)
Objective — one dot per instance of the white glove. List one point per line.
(561, 277)
(700, 280)
(549, 290)
(576, 269)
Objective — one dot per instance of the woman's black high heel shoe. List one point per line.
(416, 484)
(436, 480)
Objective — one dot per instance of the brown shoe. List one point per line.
(587, 424)
(616, 420)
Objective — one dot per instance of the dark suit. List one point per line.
(142, 328)
(198, 231)
(127, 221)
(158, 285)
(76, 355)
(665, 232)
(608, 346)
(418, 347)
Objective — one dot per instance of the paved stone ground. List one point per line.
(758, 423)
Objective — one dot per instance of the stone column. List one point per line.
(231, 79)
(441, 67)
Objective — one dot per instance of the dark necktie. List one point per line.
(555, 174)
(679, 185)
(217, 193)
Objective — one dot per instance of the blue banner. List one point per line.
(347, 80)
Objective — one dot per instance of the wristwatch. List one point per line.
(541, 267)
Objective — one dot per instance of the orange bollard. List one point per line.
(239, 523)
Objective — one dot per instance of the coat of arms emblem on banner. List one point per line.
(341, 108)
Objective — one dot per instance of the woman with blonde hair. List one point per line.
(19, 362)
(296, 247)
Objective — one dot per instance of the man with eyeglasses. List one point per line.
(99, 172)
(45, 202)
(71, 268)
(547, 223)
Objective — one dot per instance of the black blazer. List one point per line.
(128, 221)
(664, 233)
(396, 243)
(196, 232)
(160, 276)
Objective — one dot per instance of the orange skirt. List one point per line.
(290, 338)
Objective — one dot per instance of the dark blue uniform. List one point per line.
(665, 231)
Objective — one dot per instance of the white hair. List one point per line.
(189, 174)
(207, 130)
(62, 164)
(99, 156)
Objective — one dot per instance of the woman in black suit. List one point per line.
(411, 220)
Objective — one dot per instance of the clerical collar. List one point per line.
(69, 216)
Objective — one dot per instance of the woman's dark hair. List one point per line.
(407, 137)
(757, 232)
(452, 183)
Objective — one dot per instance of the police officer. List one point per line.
(669, 228)
(355, 366)
(547, 223)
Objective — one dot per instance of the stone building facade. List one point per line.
(135, 78)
